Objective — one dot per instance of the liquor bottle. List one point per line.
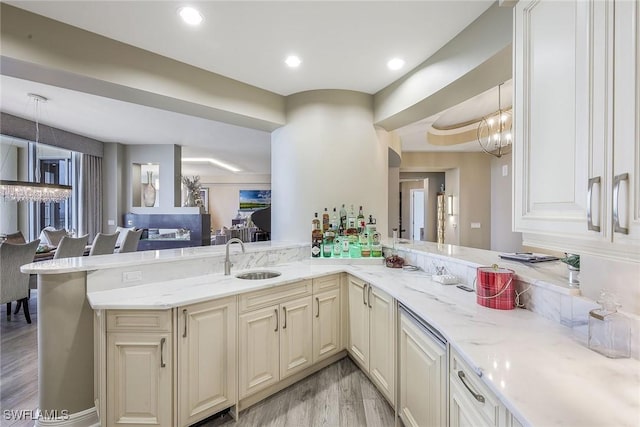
(334, 221)
(325, 220)
(316, 237)
(337, 247)
(376, 245)
(327, 246)
(360, 222)
(343, 217)
(351, 219)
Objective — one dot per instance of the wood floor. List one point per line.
(18, 363)
(339, 395)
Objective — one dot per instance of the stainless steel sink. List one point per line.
(258, 275)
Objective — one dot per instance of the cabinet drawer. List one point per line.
(326, 283)
(275, 295)
(490, 408)
(139, 320)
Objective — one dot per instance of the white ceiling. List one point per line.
(343, 45)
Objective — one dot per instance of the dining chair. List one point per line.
(104, 244)
(14, 285)
(130, 241)
(71, 247)
(54, 236)
(16, 237)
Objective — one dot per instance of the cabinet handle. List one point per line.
(479, 397)
(364, 294)
(369, 296)
(276, 329)
(616, 193)
(318, 302)
(590, 225)
(284, 324)
(184, 313)
(162, 342)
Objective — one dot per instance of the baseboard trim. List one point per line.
(86, 418)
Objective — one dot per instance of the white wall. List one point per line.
(327, 154)
(503, 239)
(224, 195)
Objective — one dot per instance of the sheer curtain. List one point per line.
(87, 189)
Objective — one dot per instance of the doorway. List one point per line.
(417, 214)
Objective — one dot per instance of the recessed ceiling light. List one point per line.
(190, 15)
(214, 162)
(395, 63)
(293, 61)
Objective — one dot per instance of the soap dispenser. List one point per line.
(609, 330)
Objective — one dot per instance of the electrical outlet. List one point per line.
(475, 225)
(111, 222)
(505, 170)
(131, 276)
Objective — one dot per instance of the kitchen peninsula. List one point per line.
(540, 371)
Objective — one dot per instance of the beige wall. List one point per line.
(503, 239)
(474, 198)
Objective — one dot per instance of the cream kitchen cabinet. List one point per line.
(471, 403)
(138, 368)
(576, 154)
(372, 334)
(327, 328)
(275, 340)
(206, 360)
(423, 374)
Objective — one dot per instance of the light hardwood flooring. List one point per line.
(338, 396)
(18, 363)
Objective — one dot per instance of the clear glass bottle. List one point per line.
(609, 330)
(360, 222)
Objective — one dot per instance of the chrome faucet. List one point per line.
(227, 262)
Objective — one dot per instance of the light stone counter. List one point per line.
(544, 374)
(541, 370)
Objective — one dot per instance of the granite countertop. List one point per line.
(543, 372)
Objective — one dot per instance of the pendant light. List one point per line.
(28, 191)
(494, 130)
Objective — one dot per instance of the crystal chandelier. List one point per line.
(38, 192)
(494, 130)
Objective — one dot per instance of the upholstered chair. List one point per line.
(104, 244)
(16, 238)
(130, 242)
(54, 236)
(14, 285)
(71, 247)
(123, 233)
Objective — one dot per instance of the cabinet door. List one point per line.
(296, 344)
(626, 129)
(326, 324)
(259, 350)
(423, 387)
(382, 341)
(552, 99)
(358, 322)
(206, 359)
(139, 379)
